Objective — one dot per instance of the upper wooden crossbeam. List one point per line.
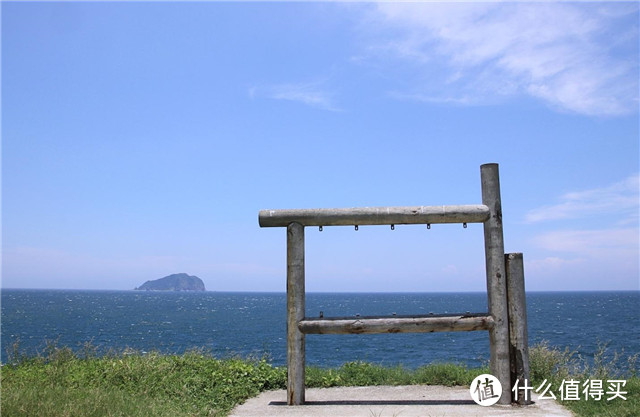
(365, 216)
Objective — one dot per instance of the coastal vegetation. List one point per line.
(64, 382)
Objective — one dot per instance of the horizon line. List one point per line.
(308, 292)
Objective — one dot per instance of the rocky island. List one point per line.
(175, 282)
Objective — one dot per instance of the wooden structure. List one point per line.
(505, 321)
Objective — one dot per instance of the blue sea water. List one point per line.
(254, 323)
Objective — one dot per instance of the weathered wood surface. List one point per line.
(519, 343)
(295, 313)
(365, 216)
(416, 324)
(496, 280)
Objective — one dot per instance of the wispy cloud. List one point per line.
(569, 253)
(593, 242)
(551, 263)
(619, 199)
(450, 270)
(605, 249)
(462, 100)
(587, 259)
(314, 94)
(580, 57)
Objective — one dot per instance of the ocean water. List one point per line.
(255, 323)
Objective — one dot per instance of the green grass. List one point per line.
(63, 383)
(556, 365)
(132, 384)
(364, 374)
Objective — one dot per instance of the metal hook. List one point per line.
(464, 225)
(393, 227)
(320, 228)
(428, 225)
(356, 227)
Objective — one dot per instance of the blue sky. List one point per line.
(142, 139)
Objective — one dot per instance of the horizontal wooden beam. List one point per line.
(396, 324)
(365, 216)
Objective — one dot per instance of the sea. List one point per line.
(246, 324)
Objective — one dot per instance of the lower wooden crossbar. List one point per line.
(397, 324)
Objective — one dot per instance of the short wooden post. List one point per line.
(499, 363)
(295, 313)
(519, 344)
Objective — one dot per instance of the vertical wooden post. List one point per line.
(295, 313)
(496, 280)
(519, 344)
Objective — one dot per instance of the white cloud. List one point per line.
(313, 94)
(577, 57)
(606, 258)
(592, 242)
(450, 270)
(619, 199)
(570, 274)
(551, 263)
(585, 259)
(463, 100)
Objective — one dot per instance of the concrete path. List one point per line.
(389, 401)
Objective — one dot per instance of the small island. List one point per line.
(175, 282)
